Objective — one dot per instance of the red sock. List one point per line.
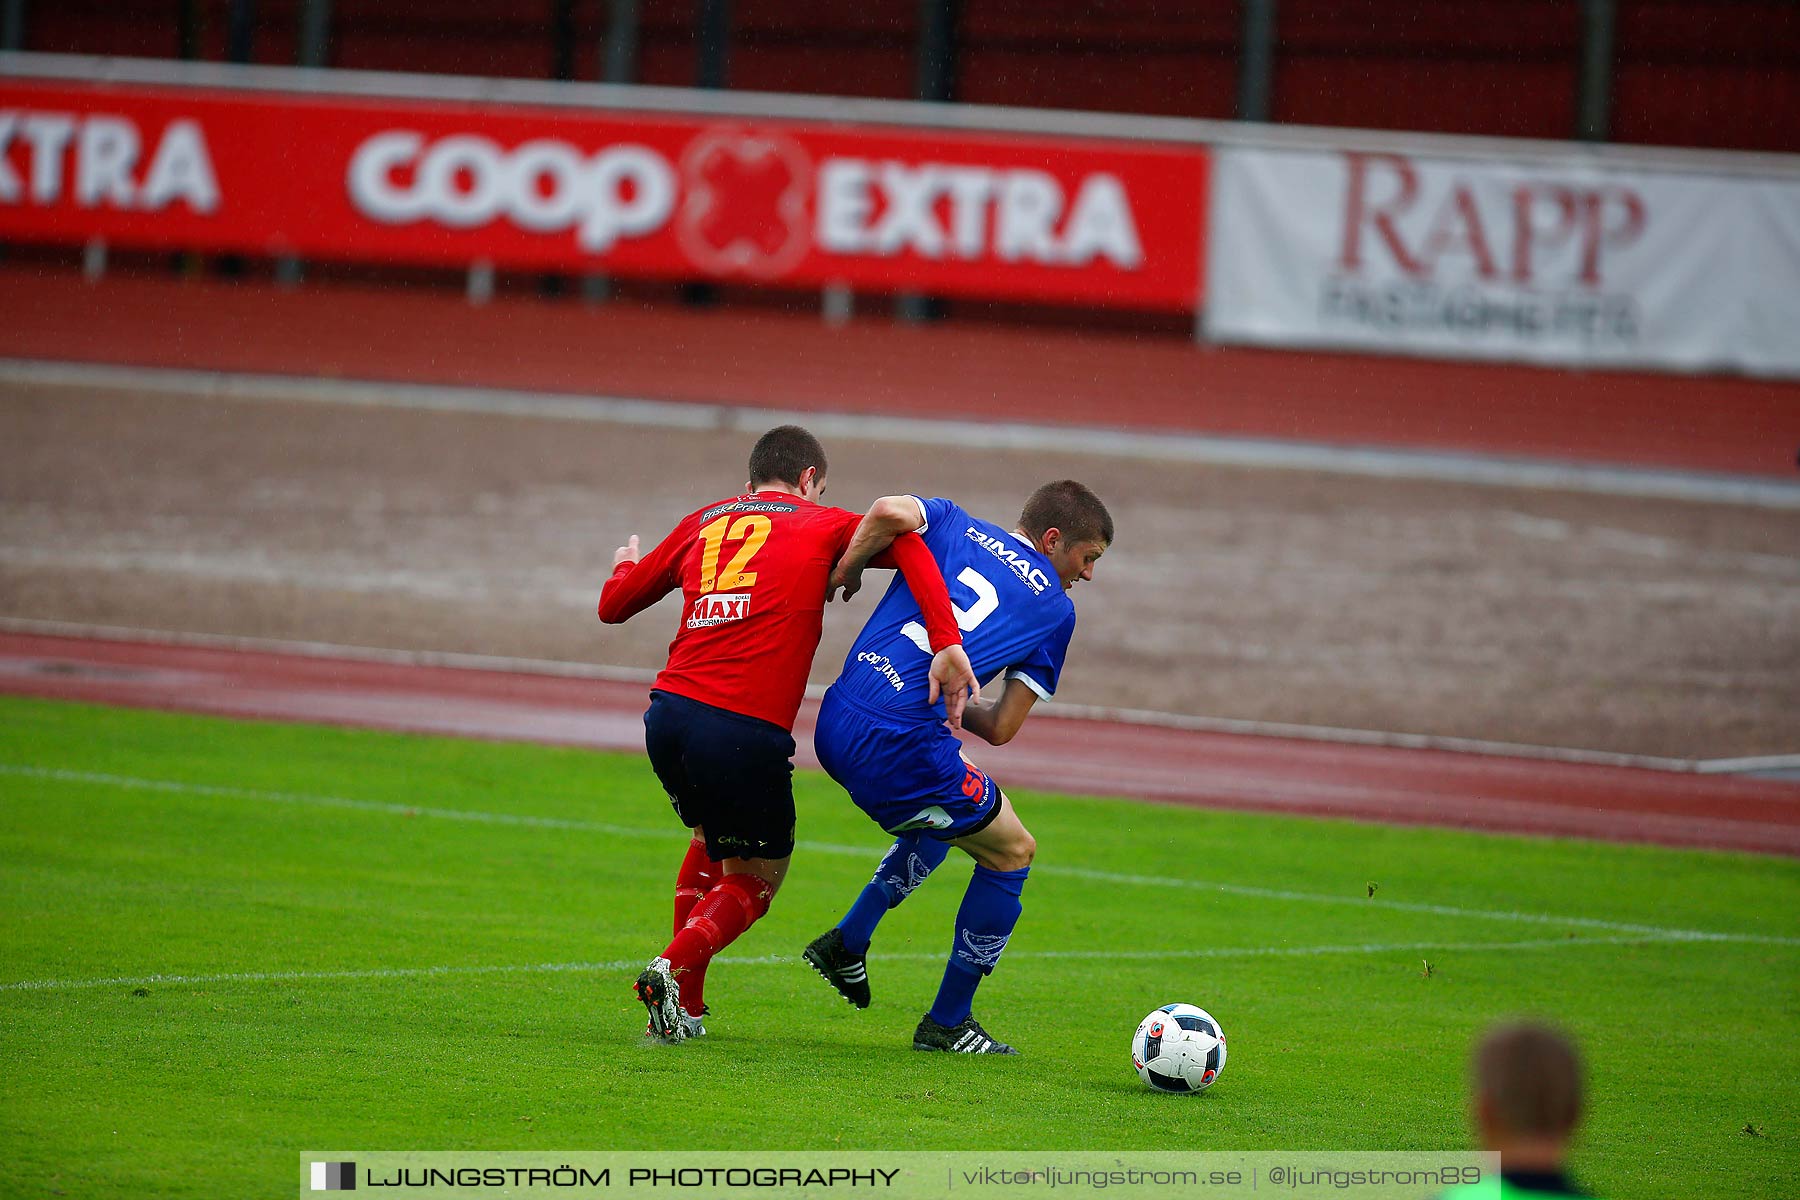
(698, 876)
(732, 906)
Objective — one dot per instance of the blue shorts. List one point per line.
(731, 773)
(906, 777)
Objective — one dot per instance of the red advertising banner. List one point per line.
(589, 191)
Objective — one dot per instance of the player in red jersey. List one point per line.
(753, 571)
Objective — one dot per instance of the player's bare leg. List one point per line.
(1005, 845)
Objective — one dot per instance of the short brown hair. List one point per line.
(1530, 1076)
(783, 454)
(1070, 507)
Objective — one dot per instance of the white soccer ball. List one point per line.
(1179, 1048)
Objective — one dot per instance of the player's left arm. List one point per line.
(637, 583)
(1028, 681)
(996, 722)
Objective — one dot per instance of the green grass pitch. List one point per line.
(386, 942)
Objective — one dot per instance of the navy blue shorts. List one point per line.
(730, 773)
(904, 776)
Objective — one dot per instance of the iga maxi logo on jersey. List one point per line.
(719, 608)
(747, 202)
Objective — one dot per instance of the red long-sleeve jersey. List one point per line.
(752, 571)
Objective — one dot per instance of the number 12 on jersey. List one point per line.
(752, 531)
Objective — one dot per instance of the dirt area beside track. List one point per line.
(1643, 626)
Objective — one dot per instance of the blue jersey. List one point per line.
(1014, 614)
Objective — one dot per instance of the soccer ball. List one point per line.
(1179, 1048)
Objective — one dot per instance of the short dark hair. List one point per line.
(783, 454)
(1070, 507)
(1530, 1076)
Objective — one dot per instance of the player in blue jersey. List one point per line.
(887, 744)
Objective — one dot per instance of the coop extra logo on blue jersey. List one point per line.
(1028, 573)
(884, 666)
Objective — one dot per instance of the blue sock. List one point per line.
(990, 909)
(904, 867)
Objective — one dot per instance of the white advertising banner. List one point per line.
(1575, 263)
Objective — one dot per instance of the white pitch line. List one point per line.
(54, 985)
(1659, 932)
(1166, 446)
(1334, 735)
(318, 801)
(870, 854)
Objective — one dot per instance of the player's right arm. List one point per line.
(637, 584)
(887, 519)
(996, 722)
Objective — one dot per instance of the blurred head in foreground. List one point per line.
(1527, 1095)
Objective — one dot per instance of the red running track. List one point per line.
(964, 371)
(1256, 774)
